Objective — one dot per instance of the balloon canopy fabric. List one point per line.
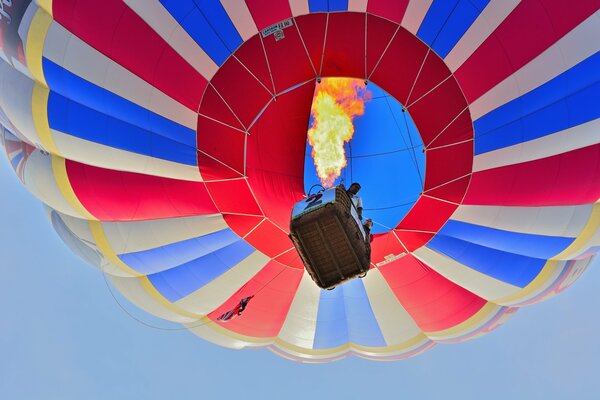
(168, 140)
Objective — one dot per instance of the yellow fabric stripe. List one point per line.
(107, 250)
(46, 5)
(584, 237)
(39, 111)
(62, 180)
(160, 299)
(35, 44)
(539, 281)
(467, 325)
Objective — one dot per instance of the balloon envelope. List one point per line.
(168, 140)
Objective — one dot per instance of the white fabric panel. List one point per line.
(86, 62)
(357, 5)
(395, 323)
(487, 22)
(81, 228)
(24, 30)
(16, 91)
(167, 27)
(134, 292)
(414, 15)
(300, 324)
(577, 137)
(299, 7)
(565, 221)
(213, 294)
(470, 331)
(482, 285)
(240, 16)
(103, 156)
(594, 241)
(128, 237)
(215, 334)
(570, 50)
(38, 177)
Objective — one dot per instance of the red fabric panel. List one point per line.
(434, 112)
(288, 60)
(433, 72)
(126, 196)
(379, 34)
(392, 10)
(570, 178)
(242, 224)
(396, 72)
(252, 55)
(312, 30)
(454, 191)
(345, 46)
(385, 245)
(214, 107)
(448, 163)
(273, 289)
(275, 153)
(222, 143)
(461, 129)
(268, 12)
(434, 302)
(233, 197)
(291, 259)
(233, 78)
(531, 28)
(427, 215)
(115, 30)
(413, 240)
(269, 239)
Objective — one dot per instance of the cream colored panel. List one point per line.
(167, 27)
(482, 285)
(241, 17)
(395, 323)
(16, 91)
(299, 7)
(129, 237)
(570, 50)
(414, 15)
(357, 5)
(487, 22)
(135, 292)
(103, 156)
(565, 221)
(212, 295)
(301, 322)
(577, 137)
(39, 179)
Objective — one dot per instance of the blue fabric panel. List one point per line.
(332, 328)
(169, 256)
(75, 119)
(345, 315)
(445, 23)
(327, 5)
(507, 267)
(208, 24)
(16, 160)
(363, 328)
(176, 283)
(568, 100)
(81, 91)
(513, 242)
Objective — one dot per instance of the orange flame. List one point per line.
(335, 104)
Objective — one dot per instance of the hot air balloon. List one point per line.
(168, 140)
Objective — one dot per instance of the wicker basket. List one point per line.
(331, 243)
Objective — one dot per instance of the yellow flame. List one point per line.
(335, 104)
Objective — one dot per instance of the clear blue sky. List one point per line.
(64, 337)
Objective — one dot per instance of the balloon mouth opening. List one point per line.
(360, 133)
